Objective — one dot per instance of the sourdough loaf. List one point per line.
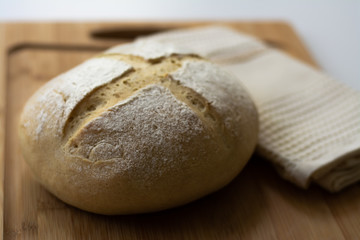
(140, 128)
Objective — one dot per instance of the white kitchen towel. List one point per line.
(309, 123)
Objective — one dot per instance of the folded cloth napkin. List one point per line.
(309, 123)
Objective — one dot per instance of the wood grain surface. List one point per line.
(258, 204)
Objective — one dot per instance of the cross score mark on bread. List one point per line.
(124, 130)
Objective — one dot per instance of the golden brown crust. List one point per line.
(148, 139)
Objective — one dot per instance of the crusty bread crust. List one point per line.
(126, 132)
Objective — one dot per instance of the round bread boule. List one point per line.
(137, 129)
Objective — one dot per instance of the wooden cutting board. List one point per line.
(258, 204)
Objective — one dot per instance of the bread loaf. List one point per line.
(140, 128)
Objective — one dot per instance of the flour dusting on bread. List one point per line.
(153, 119)
(60, 96)
(142, 127)
(219, 88)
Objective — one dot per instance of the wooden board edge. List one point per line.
(308, 58)
(2, 123)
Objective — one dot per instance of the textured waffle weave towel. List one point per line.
(309, 123)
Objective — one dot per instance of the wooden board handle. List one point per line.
(126, 33)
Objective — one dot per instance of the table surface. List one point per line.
(258, 204)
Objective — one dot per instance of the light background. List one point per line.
(329, 28)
